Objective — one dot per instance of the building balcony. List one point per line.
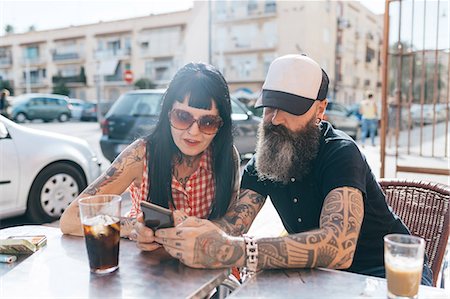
(5, 62)
(159, 53)
(63, 57)
(241, 49)
(34, 61)
(69, 79)
(34, 82)
(247, 14)
(112, 54)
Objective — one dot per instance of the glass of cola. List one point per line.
(100, 217)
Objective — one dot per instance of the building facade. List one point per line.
(344, 37)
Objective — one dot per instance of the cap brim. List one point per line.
(290, 103)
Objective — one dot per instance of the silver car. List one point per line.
(41, 173)
(136, 113)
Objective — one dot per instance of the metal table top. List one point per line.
(321, 283)
(61, 269)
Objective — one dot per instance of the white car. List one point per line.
(41, 173)
(76, 107)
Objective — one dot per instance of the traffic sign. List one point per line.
(128, 76)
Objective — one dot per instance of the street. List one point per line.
(91, 132)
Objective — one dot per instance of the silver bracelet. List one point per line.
(251, 250)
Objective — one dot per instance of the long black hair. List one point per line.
(202, 83)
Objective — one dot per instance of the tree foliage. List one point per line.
(144, 83)
(61, 88)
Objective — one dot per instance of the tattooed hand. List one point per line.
(199, 243)
(144, 236)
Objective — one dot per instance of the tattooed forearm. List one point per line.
(332, 245)
(212, 250)
(131, 156)
(241, 213)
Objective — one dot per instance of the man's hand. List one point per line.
(144, 236)
(199, 243)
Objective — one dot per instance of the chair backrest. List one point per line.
(424, 208)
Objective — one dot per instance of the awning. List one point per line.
(107, 67)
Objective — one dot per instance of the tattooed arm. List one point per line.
(331, 246)
(200, 244)
(241, 212)
(128, 167)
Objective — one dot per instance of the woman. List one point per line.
(188, 163)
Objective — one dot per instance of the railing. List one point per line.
(112, 53)
(5, 61)
(65, 56)
(69, 79)
(33, 60)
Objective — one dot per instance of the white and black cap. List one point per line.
(293, 83)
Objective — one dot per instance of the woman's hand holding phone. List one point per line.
(144, 236)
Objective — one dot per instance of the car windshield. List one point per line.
(137, 104)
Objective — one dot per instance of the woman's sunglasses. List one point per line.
(183, 120)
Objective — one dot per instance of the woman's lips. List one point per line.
(191, 142)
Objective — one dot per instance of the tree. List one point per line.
(61, 88)
(9, 29)
(32, 28)
(144, 83)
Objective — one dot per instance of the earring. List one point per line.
(318, 121)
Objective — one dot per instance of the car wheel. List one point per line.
(53, 190)
(20, 117)
(63, 117)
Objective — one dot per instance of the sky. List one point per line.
(63, 13)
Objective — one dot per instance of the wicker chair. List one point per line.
(424, 208)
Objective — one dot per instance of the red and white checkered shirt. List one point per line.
(195, 199)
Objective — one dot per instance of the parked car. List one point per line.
(76, 107)
(89, 112)
(47, 107)
(341, 118)
(430, 113)
(135, 114)
(41, 173)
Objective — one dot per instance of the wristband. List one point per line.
(251, 250)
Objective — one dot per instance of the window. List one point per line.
(370, 54)
(252, 7)
(32, 52)
(270, 34)
(270, 6)
(243, 35)
(159, 69)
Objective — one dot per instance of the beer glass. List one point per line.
(403, 260)
(100, 217)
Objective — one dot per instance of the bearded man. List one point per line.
(324, 191)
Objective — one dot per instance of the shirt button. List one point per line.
(187, 210)
(188, 188)
(299, 219)
(295, 200)
(292, 179)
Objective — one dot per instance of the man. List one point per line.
(369, 117)
(319, 182)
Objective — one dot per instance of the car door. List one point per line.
(9, 171)
(245, 128)
(35, 108)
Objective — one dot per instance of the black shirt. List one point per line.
(339, 163)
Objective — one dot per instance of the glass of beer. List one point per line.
(403, 260)
(100, 217)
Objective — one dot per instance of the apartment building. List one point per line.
(343, 36)
(91, 59)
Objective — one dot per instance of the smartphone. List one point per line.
(155, 216)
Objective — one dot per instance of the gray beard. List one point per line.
(282, 154)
